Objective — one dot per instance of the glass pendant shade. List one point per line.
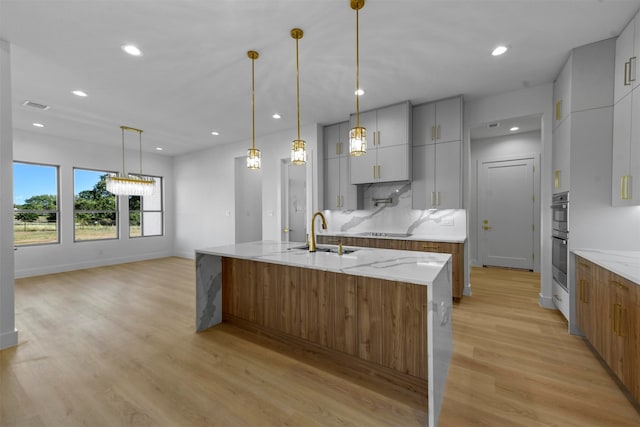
(298, 152)
(357, 141)
(130, 185)
(253, 158)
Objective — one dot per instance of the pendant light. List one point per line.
(298, 149)
(125, 184)
(253, 154)
(358, 134)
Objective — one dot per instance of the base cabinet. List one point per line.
(455, 249)
(379, 321)
(608, 314)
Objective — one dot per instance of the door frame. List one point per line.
(535, 157)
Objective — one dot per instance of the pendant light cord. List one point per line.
(253, 105)
(122, 129)
(357, 71)
(298, 87)
(140, 143)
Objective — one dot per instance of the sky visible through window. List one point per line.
(33, 180)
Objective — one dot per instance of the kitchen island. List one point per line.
(386, 311)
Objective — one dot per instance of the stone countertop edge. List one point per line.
(418, 237)
(622, 263)
(419, 268)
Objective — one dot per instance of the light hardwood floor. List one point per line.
(114, 346)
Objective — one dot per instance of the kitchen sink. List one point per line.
(382, 234)
(331, 249)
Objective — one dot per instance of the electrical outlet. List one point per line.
(447, 220)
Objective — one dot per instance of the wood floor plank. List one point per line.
(115, 346)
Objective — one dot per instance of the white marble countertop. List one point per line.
(445, 238)
(420, 268)
(622, 263)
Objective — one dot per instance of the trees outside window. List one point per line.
(95, 209)
(35, 204)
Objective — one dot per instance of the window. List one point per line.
(35, 204)
(95, 209)
(146, 212)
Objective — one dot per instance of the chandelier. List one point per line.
(124, 184)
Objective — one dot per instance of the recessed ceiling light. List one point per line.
(515, 128)
(215, 133)
(276, 116)
(131, 49)
(38, 125)
(159, 148)
(79, 93)
(499, 50)
(359, 92)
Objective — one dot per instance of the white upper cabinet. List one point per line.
(625, 62)
(439, 121)
(387, 156)
(625, 172)
(561, 156)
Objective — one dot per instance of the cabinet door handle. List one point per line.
(584, 265)
(379, 138)
(379, 174)
(559, 109)
(632, 69)
(627, 65)
(438, 132)
(433, 133)
(437, 198)
(556, 178)
(342, 201)
(432, 199)
(337, 201)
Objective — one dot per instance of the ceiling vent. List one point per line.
(493, 125)
(35, 105)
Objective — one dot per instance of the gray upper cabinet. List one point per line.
(339, 194)
(439, 121)
(437, 155)
(387, 157)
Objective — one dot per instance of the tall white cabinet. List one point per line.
(339, 194)
(625, 176)
(437, 155)
(388, 136)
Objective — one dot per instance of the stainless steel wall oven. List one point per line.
(560, 238)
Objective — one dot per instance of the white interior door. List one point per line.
(506, 207)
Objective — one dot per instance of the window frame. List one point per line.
(142, 211)
(45, 212)
(116, 210)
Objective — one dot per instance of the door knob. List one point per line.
(286, 230)
(486, 227)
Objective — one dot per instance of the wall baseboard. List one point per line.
(8, 339)
(101, 262)
(546, 302)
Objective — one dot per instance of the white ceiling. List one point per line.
(195, 76)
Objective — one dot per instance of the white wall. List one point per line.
(536, 100)
(205, 199)
(522, 144)
(68, 255)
